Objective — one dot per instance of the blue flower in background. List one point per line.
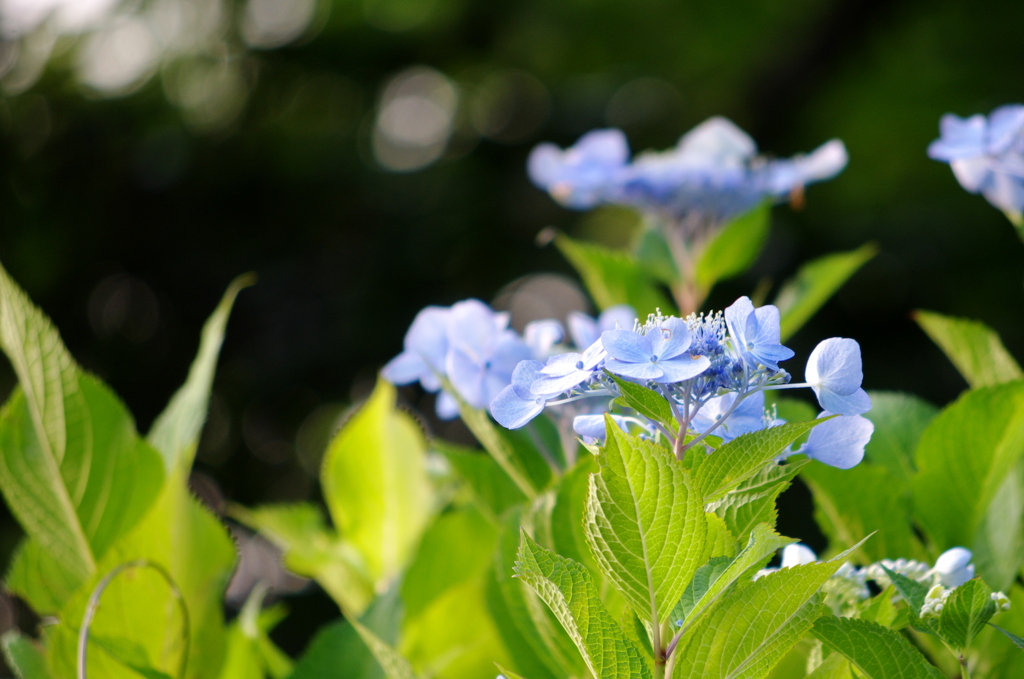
(425, 350)
(568, 371)
(747, 417)
(515, 405)
(986, 155)
(585, 330)
(834, 373)
(483, 352)
(659, 355)
(757, 333)
(580, 176)
(839, 442)
(542, 336)
(593, 429)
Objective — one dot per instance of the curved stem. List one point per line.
(94, 603)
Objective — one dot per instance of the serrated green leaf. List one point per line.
(539, 645)
(878, 652)
(648, 403)
(568, 590)
(645, 523)
(24, 656)
(900, 420)
(735, 248)
(1017, 641)
(705, 577)
(312, 549)
(973, 347)
(753, 501)
(833, 667)
(882, 610)
(250, 654)
(613, 277)
(815, 283)
(391, 661)
(760, 548)
(175, 432)
(851, 503)
(970, 480)
(567, 533)
(914, 593)
(720, 541)
(965, 613)
(375, 483)
(748, 632)
(745, 456)
(492, 488)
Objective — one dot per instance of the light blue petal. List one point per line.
(590, 426)
(973, 173)
(1005, 191)
(472, 328)
(856, 403)
(1005, 125)
(563, 364)
(523, 377)
(626, 345)
(428, 336)
(552, 386)
(447, 407)
(541, 336)
(467, 376)
(682, 368)
(582, 329)
(670, 339)
(640, 371)
(839, 442)
(736, 319)
(405, 368)
(961, 138)
(835, 366)
(511, 411)
(615, 317)
(508, 350)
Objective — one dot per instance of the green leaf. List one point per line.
(539, 646)
(655, 257)
(852, 503)
(250, 654)
(613, 277)
(973, 347)
(735, 248)
(645, 523)
(391, 661)
(720, 540)
(816, 282)
(900, 420)
(965, 613)
(1017, 641)
(567, 533)
(512, 450)
(312, 549)
(753, 501)
(567, 588)
(24, 656)
(109, 478)
(706, 576)
(970, 479)
(878, 652)
(175, 432)
(746, 633)
(375, 483)
(745, 456)
(761, 547)
(648, 403)
(833, 667)
(492, 488)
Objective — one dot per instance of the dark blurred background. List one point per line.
(366, 158)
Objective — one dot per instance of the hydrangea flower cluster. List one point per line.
(714, 172)
(712, 369)
(987, 155)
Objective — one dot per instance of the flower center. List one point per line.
(750, 345)
(487, 365)
(654, 358)
(579, 365)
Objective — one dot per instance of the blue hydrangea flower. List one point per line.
(659, 355)
(748, 416)
(580, 177)
(567, 371)
(592, 428)
(515, 405)
(834, 373)
(839, 442)
(585, 330)
(756, 333)
(542, 336)
(986, 155)
(425, 349)
(483, 352)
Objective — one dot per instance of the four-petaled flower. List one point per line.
(834, 373)
(659, 355)
(757, 333)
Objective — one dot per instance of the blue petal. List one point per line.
(856, 403)
(839, 442)
(835, 366)
(682, 368)
(541, 336)
(472, 328)
(736, 315)
(513, 412)
(626, 345)
(612, 318)
(467, 376)
(447, 407)
(523, 377)
(670, 339)
(590, 426)
(1005, 125)
(961, 138)
(405, 368)
(428, 336)
(640, 371)
(582, 329)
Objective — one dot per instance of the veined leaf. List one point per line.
(833, 667)
(645, 523)
(312, 549)
(613, 277)
(878, 652)
(753, 501)
(965, 613)
(1017, 641)
(375, 484)
(566, 587)
(175, 432)
(493, 489)
(646, 402)
(24, 656)
(706, 576)
(900, 420)
(745, 456)
(969, 490)
(250, 654)
(749, 631)
(735, 248)
(391, 661)
(761, 547)
(973, 347)
(815, 283)
(720, 541)
(517, 457)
